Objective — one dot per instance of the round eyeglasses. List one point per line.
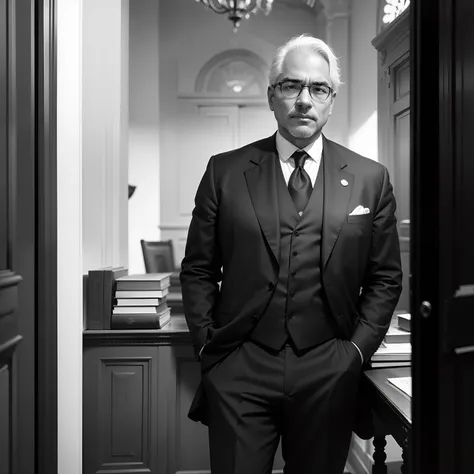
(292, 90)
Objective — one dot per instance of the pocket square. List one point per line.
(359, 210)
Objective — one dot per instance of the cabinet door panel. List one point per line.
(125, 392)
(393, 104)
(120, 410)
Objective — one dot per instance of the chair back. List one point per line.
(158, 256)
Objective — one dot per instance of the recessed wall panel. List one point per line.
(124, 421)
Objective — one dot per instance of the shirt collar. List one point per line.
(285, 149)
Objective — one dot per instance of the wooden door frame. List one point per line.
(46, 237)
(425, 215)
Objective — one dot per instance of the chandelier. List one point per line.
(236, 10)
(394, 8)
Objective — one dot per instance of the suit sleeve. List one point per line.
(202, 263)
(382, 284)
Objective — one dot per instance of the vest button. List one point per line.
(292, 293)
(271, 285)
(294, 254)
(293, 274)
(296, 233)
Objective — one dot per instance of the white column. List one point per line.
(105, 133)
(338, 29)
(144, 144)
(69, 238)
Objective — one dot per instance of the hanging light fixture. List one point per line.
(394, 8)
(238, 9)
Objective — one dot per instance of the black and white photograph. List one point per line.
(236, 237)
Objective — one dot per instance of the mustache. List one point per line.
(304, 116)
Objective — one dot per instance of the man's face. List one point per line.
(301, 120)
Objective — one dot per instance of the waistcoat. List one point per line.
(298, 310)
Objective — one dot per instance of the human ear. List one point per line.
(271, 97)
(332, 103)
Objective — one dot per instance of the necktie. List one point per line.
(299, 183)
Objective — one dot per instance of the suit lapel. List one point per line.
(261, 184)
(337, 195)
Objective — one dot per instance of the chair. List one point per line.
(158, 256)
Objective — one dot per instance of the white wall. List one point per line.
(69, 294)
(144, 132)
(92, 150)
(105, 133)
(362, 81)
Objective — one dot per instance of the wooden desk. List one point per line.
(137, 388)
(393, 410)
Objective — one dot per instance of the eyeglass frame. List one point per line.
(294, 81)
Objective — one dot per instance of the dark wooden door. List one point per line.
(17, 241)
(443, 236)
(27, 247)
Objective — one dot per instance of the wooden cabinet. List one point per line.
(393, 105)
(138, 386)
(120, 397)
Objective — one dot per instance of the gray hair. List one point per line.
(317, 46)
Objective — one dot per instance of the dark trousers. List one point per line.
(257, 396)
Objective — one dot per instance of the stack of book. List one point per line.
(141, 301)
(396, 346)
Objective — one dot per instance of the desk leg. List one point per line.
(379, 466)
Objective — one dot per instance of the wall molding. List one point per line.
(47, 230)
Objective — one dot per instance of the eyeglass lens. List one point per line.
(293, 89)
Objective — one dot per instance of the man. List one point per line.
(301, 233)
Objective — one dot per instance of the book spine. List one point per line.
(127, 285)
(135, 321)
(124, 302)
(151, 310)
(110, 277)
(95, 290)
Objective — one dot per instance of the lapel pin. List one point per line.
(344, 182)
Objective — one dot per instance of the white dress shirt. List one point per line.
(311, 165)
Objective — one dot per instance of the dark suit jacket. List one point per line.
(235, 228)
